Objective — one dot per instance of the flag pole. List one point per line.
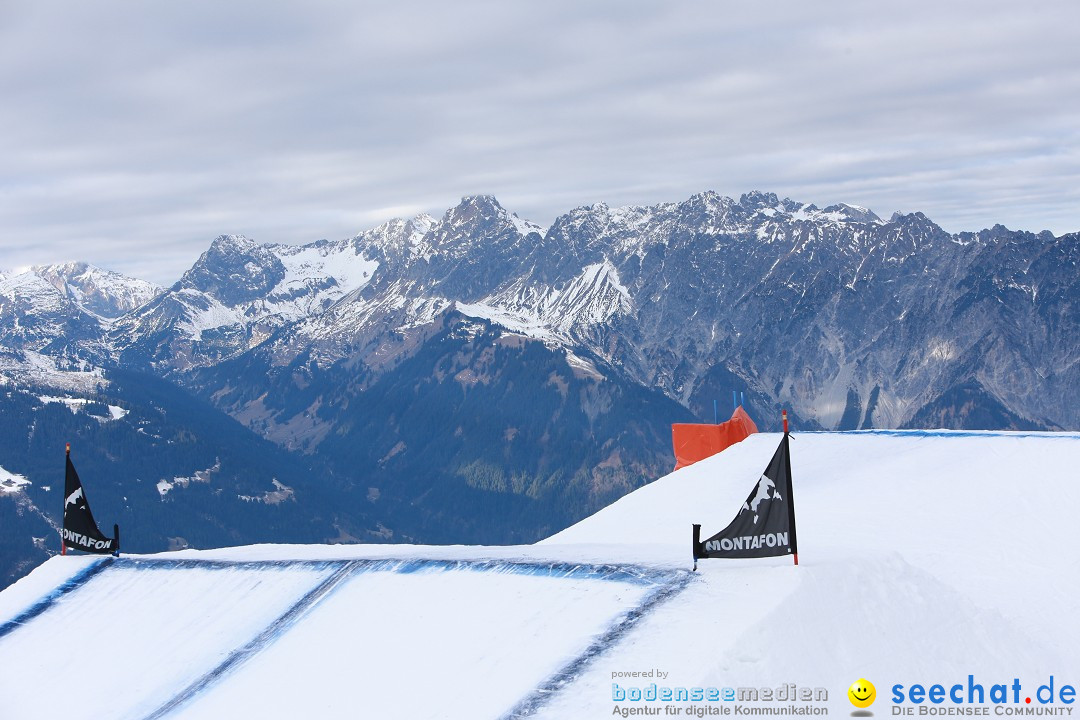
(791, 495)
(63, 545)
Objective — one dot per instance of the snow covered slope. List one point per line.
(924, 558)
(282, 638)
(102, 293)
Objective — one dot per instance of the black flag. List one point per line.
(80, 531)
(765, 525)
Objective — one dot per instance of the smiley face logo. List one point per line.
(862, 693)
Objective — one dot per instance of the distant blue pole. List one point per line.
(742, 398)
(734, 400)
(715, 412)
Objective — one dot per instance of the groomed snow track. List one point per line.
(215, 633)
(925, 557)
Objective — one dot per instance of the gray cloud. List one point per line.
(132, 135)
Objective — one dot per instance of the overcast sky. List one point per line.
(132, 134)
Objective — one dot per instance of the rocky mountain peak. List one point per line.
(235, 270)
(233, 243)
(398, 238)
(483, 213)
(104, 293)
(757, 200)
(472, 213)
(852, 213)
(419, 225)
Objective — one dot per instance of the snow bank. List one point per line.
(12, 482)
(924, 558)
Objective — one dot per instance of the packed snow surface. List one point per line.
(924, 558)
(12, 482)
(77, 404)
(37, 370)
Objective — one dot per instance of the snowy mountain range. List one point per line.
(568, 350)
(851, 320)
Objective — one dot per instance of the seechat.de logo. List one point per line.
(862, 693)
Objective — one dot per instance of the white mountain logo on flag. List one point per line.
(74, 498)
(766, 490)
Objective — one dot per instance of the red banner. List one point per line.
(698, 441)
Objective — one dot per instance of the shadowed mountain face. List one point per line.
(476, 377)
(474, 434)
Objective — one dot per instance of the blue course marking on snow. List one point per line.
(1048, 435)
(272, 631)
(530, 704)
(75, 582)
(142, 564)
(617, 573)
(153, 563)
(668, 582)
